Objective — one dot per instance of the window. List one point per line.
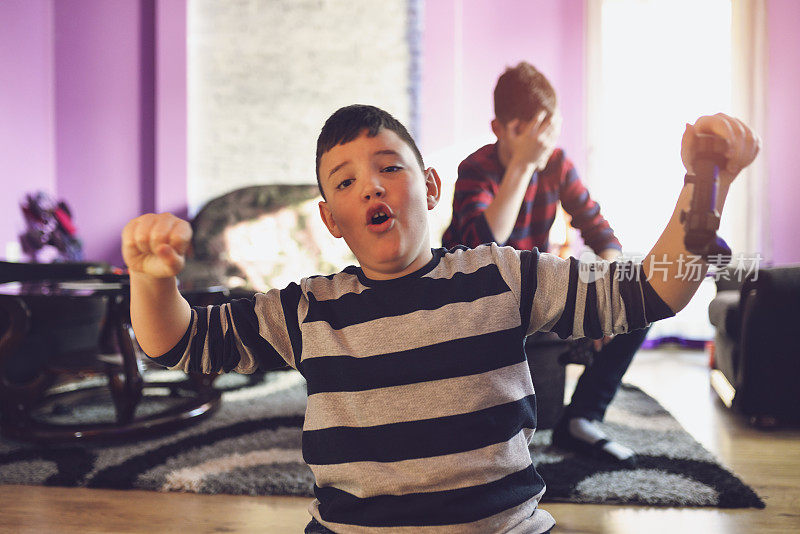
(654, 65)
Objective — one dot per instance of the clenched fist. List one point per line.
(743, 143)
(156, 244)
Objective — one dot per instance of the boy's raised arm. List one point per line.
(662, 264)
(153, 247)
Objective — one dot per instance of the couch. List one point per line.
(757, 352)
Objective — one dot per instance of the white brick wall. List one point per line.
(265, 74)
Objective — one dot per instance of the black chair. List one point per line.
(67, 346)
(756, 351)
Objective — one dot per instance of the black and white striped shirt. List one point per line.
(420, 400)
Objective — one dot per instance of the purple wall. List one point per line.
(27, 155)
(171, 107)
(100, 119)
(783, 129)
(467, 45)
(437, 126)
(93, 100)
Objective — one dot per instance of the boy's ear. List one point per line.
(498, 128)
(434, 187)
(327, 218)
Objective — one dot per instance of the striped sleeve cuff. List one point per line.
(173, 357)
(590, 299)
(222, 339)
(642, 304)
(655, 308)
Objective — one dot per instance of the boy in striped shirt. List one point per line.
(420, 401)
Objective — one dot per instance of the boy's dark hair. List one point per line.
(348, 122)
(521, 92)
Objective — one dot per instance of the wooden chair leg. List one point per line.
(24, 407)
(126, 388)
(17, 399)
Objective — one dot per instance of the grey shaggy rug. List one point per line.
(251, 446)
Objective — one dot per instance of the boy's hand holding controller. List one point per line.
(154, 248)
(665, 275)
(743, 144)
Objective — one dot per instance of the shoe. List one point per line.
(563, 439)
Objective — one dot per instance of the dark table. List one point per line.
(58, 331)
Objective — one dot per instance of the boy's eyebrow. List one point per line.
(339, 166)
(384, 152)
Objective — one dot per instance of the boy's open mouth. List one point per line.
(378, 215)
(378, 218)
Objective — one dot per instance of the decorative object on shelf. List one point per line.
(50, 235)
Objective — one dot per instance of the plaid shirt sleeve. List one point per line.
(586, 217)
(474, 191)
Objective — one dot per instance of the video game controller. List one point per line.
(701, 221)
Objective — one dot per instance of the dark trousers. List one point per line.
(600, 381)
(314, 527)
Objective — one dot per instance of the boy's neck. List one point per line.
(390, 273)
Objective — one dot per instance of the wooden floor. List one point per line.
(767, 460)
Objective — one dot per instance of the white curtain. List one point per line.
(651, 66)
(747, 199)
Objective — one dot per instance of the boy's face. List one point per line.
(377, 200)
